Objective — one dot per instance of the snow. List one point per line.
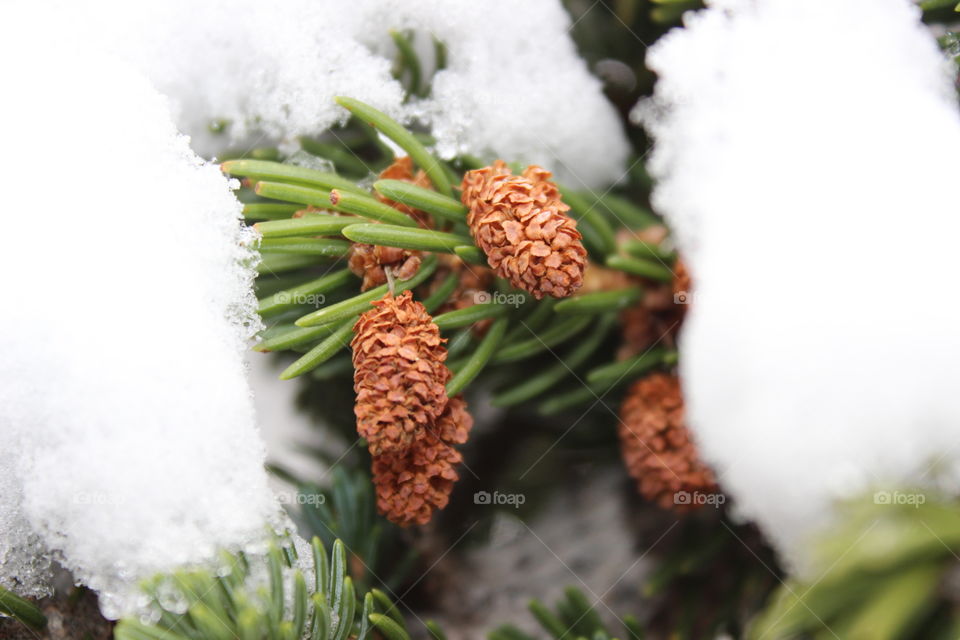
(806, 156)
(130, 445)
(514, 86)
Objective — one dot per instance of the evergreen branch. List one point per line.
(409, 59)
(367, 207)
(632, 216)
(344, 159)
(468, 316)
(276, 262)
(316, 224)
(21, 609)
(200, 605)
(648, 251)
(642, 268)
(330, 346)
(268, 210)
(592, 224)
(437, 205)
(321, 247)
(561, 331)
(261, 170)
(295, 336)
(471, 253)
(600, 302)
(631, 368)
(550, 376)
(480, 357)
(442, 293)
(569, 399)
(290, 298)
(406, 140)
(358, 304)
(404, 237)
(881, 574)
(345, 201)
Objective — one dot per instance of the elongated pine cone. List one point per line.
(657, 448)
(411, 484)
(399, 373)
(370, 262)
(522, 226)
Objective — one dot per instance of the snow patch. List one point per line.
(514, 85)
(129, 438)
(806, 157)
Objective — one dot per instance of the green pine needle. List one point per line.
(387, 235)
(406, 140)
(437, 205)
(21, 609)
(289, 173)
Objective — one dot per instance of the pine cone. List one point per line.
(411, 483)
(657, 318)
(399, 373)
(402, 169)
(521, 224)
(656, 445)
(370, 262)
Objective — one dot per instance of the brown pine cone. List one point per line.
(402, 169)
(521, 224)
(370, 262)
(657, 318)
(399, 373)
(656, 445)
(411, 483)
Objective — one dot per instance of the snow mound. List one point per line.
(806, 156)
(129, 438)
(514, 85)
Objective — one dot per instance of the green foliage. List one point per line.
(261, 597)
(347, 511)
(524, 329)
(573, 619)
(21, 609)
(878, 576)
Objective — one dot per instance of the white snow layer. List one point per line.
(129, 443)
(514, 86)
(806, 152)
